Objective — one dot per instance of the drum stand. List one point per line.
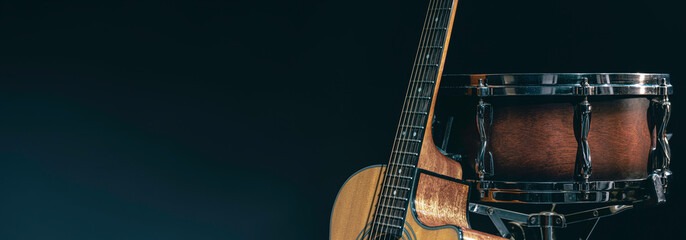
(547, 221)
(619, 195)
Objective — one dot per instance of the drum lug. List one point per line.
(582, 125)
(661, 155)
(484, 155)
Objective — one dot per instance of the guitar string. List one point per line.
(376, 228)
(419, 103)
(427, 72)
(430, 72)
(388, 180)
(423, 104)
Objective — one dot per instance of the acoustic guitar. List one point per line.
(418, 194)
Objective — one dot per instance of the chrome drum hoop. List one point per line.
(615, 192)
(563, 84)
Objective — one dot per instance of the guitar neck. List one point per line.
(416, 111)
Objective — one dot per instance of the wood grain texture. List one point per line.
(355, 203)
(535, 141)
(532, 138)
(353, 209)
(441, 202)
(620, 139)
(431, 159)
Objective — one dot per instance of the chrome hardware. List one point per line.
(596, 213)
(482, 89)
(584, 89)
(589, 229)
(483, 155)
(446, 132)
(546, 221)
(659, 185)
(556, 84)
(582, 125)
(617, 192)
(661, 156)
(517, 230)
(498, 222)
(664, 87)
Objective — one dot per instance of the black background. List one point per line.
(216, 120)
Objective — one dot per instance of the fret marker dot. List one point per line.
(436, 20)
(427, 56)
(400, 170)
(394, 192)
(414, 134)
(404, 133)
(419, 89)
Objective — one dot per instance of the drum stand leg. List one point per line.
(589, 229)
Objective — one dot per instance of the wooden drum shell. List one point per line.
(532, 137)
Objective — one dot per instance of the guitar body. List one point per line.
(437, 209)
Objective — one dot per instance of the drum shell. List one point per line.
(532, 137)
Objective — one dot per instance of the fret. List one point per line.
(407, 153)
(400, 169)
(409, 121)
(422, 98)
(394, 197)
(400, 182)
(412, 126)
(408, 140)
(398, 187)
(424, 81)
(416, 112)
(437, 28)
(389, 216)
(404, 165)
(406, 158)
(399, 176)
(416, 121)
(388, 225)
(428, 65)
(392, 207)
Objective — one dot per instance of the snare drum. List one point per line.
(558, 138)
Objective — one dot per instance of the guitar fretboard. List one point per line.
(400, 174)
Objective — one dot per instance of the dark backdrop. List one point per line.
(213, 120)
